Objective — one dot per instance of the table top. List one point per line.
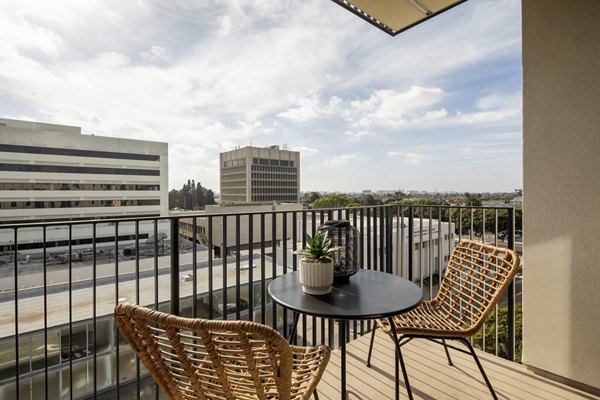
(368, 295)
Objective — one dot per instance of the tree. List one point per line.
(311, 197)
(174, 199)
(332, 201)
(370, 200)
(490, 333)
(210, 197)
(200, 195)
(472, 200)
(192, 196)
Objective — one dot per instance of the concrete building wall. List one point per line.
(259, 175)
(561, 145)
(53, 172)
(431, 249)
(221, 240)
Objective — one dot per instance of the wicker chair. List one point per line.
(206, 359)
(475, 279)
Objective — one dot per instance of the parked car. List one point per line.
(503, 235)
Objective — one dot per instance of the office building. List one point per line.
(260, 175)
(53, 172)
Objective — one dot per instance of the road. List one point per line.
(82, 274)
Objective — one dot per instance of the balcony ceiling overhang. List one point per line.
(395, 16)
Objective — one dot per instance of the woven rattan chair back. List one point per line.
(207, 359)
(476, 277)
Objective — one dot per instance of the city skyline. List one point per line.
(436, 108)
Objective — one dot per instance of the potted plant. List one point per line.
(316, 264)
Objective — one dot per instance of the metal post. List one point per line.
(411, 240)
(175, 266)
(388, 241)
(510, 293)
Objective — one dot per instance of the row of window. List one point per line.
(235, 163)
(77, 204)
(11, 148)
(274, 169)
(272, 162)
(274, 183)
(74, 186)
(58, 346)
(269, 190)
(289, 177)
(263, 198)
(67, 169)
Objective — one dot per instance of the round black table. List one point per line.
(368, 295)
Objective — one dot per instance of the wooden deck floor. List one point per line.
(431, 377)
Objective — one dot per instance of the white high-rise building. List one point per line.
(53, 172)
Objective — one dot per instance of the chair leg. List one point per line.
(485, 378)
(447, 353)
(400, 359)
(371, 346)
(316, 395)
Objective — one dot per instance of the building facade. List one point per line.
(53, 172)
(260, 175)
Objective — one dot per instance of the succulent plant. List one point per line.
(318, 248)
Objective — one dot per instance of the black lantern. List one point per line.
(344, 236)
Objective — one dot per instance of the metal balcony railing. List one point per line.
(60, 281)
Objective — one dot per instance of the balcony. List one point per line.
(70, 275)
(432, 378)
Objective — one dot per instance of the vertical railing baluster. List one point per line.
(71, 317)
(211, 287)
(263, 287)
(251, 267)
(237, 267)
(284, 264)
(137, 301)
(440, 265)
(430, 252)
(116, 330)
(16, 296)
(368, 240)
(95, 307)
(511, 290)
(45, 285)
(421, 246)
(174, 225)
(304, 319)
(156, 272)
(274, 262)
(224, 259)
(194, 267)
(411, 241)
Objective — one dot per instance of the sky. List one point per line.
(437, 107)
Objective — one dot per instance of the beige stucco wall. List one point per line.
(561, 146)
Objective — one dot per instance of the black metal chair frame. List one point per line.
(441, 340)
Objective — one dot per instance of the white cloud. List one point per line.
(433, 115)
(209, 76)
(390, 108)
(414, 158)
(310, 108)
(305, 151)
(408, 157)
(342, 159)
(154, 54)
(493, 108)
(358, 136)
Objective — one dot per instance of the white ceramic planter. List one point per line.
(316, 277)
